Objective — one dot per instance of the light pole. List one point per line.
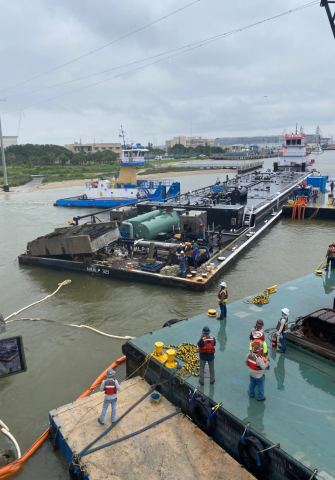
(5, 185)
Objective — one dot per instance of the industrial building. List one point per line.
(189, 142)
(94, 147)
(266, 141)
(9, 140)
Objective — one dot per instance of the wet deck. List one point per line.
(173, 449)
(299, 411)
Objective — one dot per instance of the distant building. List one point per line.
(267, 141)
(189, 142)
(94, 147)
(9, 141)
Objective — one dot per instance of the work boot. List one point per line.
(219, 318)
(212, 382)
(100, 421)
(201, 383)
(261, 400)
(280, 351)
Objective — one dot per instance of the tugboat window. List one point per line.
(298, 142)
(288, 142)
(293, 142)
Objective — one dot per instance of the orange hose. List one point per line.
(9, 470)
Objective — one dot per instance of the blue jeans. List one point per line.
(201, 233)
(260, 387)
(105, 407)
(223, 310)
(195, 262)
(183, 268)
(283, 343)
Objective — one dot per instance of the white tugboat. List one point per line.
(124, 188)
(295, 155)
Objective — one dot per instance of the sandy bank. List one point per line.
(81, 183)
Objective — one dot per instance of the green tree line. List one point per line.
(180, 149)
(30, 155)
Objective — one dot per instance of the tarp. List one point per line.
(14, 467)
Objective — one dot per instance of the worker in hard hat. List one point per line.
(257, 365)
(182, 263)
(257, 334)
(222, 299)
(331, 256)
(180, 248)
(282, 327)
(206, 346)
(110, 386)
(201, 227)
(195, 255)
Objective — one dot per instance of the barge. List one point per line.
(286, 437)
(235, 214)
(294, 426)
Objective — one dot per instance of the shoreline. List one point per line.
(81, 182)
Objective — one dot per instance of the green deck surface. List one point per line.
(299, 411)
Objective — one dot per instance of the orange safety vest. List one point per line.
(200, 226)
(252, 361)
(110, 388)
(208, 345)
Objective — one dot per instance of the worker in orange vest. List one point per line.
(331, 256)
(257, 365)
(110, 386)
(206, 346)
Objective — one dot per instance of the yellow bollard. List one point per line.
(159, 354)
(170, 359)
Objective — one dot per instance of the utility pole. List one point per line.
(5, 185)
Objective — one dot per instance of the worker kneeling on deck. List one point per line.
(206, 346)
(110, 386)
(257, 365)
(331, 256)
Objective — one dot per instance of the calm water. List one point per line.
(63, 361)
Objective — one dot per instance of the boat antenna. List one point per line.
(296, 129)
(121, 135)
(5, 186)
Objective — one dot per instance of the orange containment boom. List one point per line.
(9, 470)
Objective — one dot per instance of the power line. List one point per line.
(204, 41)
(192, 47)
(101, 48)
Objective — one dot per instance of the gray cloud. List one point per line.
(219, 87)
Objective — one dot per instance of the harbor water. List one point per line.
(63, 361)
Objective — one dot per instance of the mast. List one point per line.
(121, 134)
(5, 186)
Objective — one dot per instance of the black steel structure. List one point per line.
(331, 16)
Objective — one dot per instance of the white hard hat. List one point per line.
(285, 311)
(182, 251)
(223, 284)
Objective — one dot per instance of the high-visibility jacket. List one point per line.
(220, 294)
(110, 387)
(252, 361)
(208, 345)
(262, 345)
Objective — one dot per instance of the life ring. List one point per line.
(202, 414)
(248, 446)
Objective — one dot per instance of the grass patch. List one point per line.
(169, 169)
(21, 174)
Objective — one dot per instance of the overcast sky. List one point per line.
(259, 81)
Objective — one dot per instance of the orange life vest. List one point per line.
(252, 361)
(110, 388)
(208, 345)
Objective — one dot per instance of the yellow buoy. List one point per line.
(212, 313)
(319, 272)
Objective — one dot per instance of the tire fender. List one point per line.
(200, 410)
(248, 448)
